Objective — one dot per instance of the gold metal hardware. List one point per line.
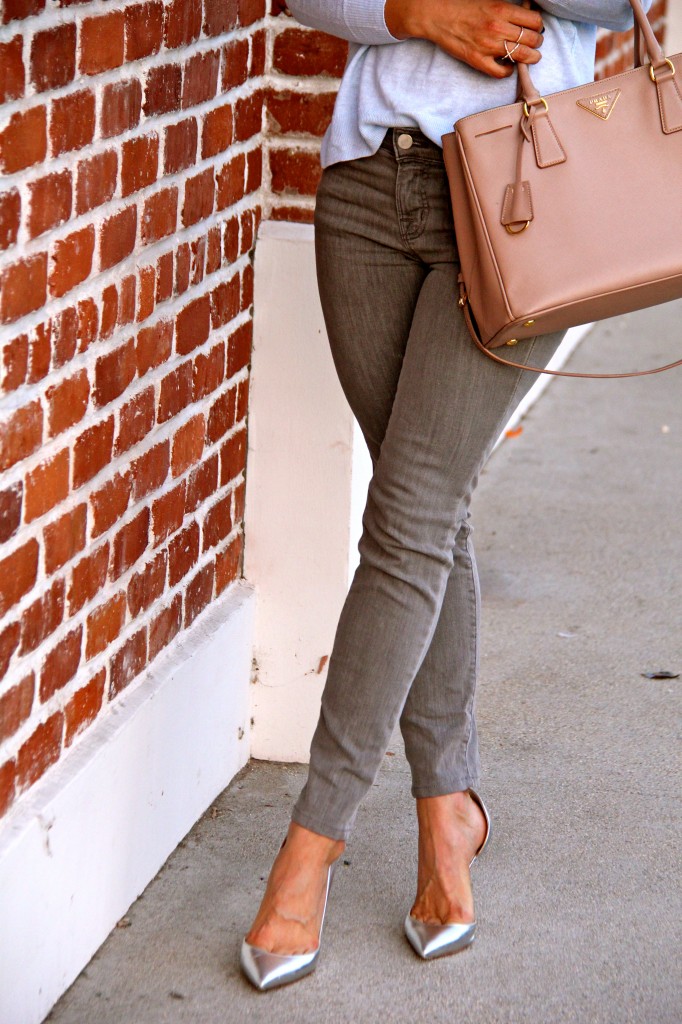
(513, 341)
(528, 323)
(518, 231)
(542, 100)
(600, 105)
(462, 302)
(670, 65)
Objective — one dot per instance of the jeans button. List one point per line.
(405, 141)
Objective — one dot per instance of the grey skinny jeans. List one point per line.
(430, 406)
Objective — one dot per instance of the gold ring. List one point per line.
(670, 65)
(526, 110)
(510, 52)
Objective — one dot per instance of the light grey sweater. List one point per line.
(390, 82)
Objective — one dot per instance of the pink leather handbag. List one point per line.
(568, 207)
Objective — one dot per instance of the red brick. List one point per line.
(250, 11)
(139, 163)
(248, 116)
(12, 76)
(144, 30)
(67, 402)
(198, 260)
(113, 373)
(20, 434)
(168, 513)
(200, 79)
(96, 181)
(50, 202)
(135, 421)
(247, 287)
(217, 523)
(61, 664)
(64, 330)
(15, 363)
(24, 140)
(23, 287)
(101, 43)
(72, 122)
(182, 267)
(175, 393)
(160, 215)
(46, 486)
(213, 253)
(64, 538)
(109, 311)
(247, 239)
(104, 624)
(153, 346)
(162, 89)
(201, 483)
(183, 552)
(8, 776)
(110, 502)
(220, 16)
(301, 113)
(147, 586)
(16, 9)
(221, 416)
(145, 304)
(193, 325)
(92, 451)
(42, 617)
(199, 593)
(164, 627)
(9, 641)
(10, 510)
(182, 23)
(294, 172)
(239, 502)
(239, 349)
(254, 169)
(228, 565)
(15, 706)
(208, 372)
(128, 662)
(216, 134)
(53, 57)
(117, 239)
(230, 182)
(233, 457)
(40, 751)
(188, 444)
(126, 308)
(121, 107)
(301, 53)
(242, 399)
(10, 217)
(72, 261)
(199, 192)
(231, 240)
(40, 352)
(181, 145)
(150, 470)
(235, 64)
(225, 301)
(164, 277)
(87, 318)
(88, 578)
(129, 544)
(83, 707)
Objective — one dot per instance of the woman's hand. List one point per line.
(473, 31)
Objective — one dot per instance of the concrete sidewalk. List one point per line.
(578, 896)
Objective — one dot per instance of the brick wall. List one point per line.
(140, 145)
(131, 152)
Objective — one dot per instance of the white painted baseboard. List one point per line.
(88, 838)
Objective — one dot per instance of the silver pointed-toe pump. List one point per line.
(268, 970)
(432, 940)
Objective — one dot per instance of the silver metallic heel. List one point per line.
(270, 970)
(432, 940)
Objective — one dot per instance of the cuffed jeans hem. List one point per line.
(322, 828)
(441, 788)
